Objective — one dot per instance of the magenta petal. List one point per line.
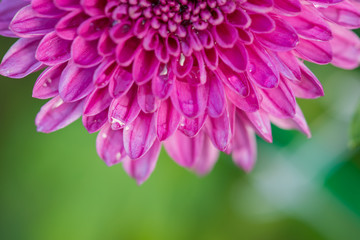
(345, 14)
(283, 38)
(57, 114)
(244, 146)
(140, 169)
(308, 86)
(120, 82)
(225, 35)
(126, 51)
(95, 122)
(191, 127)
(297, 122)
(67, 26)
(248, 104)
(207, 158)
(176, 144)
(27, 24)
(85, 53)
(167, 120)
(310, 25)
(125, 109)
(139, 135)
(97, 101)
(260, 122)
(110, 146)
(261, 68)
(93, 27)
(279, 101)
(75, 83)
(346, 48)
(19, 61)
(47, 84)
(146, 99)
(190, 100)
(145, 66)
(217, 101)
(219, 131)
(163, 82)
(93, 7)
(8, 9)
(314, 51)
(53, 50)
(261, 23)
(236, 57)
(104, 72)
(288, 6)
(46, 8)
(67, 4)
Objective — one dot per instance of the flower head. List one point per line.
(199, 76)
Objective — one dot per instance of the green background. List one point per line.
(54, 186)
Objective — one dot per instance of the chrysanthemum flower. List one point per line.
(199, 76)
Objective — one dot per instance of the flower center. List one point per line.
(174, 16)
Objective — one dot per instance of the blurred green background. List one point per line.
(54, 186)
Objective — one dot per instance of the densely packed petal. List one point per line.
(198, 76)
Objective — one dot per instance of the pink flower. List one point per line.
(199, 76)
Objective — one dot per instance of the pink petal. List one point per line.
(139, 135)
(93, 27)
(146, 99)
(97, 101)
(176, 144)
(190, 100)
(46, 8)
(67, 26)
(163, 82)
(110, 146)
(104, 72)
(260, 122)
(217, 101)
(145, 66)
(141, 169)
(53, 50)
(85, 53)
(236, 57)
(26, 24)
(47, 84)
(244, 146)
(191, 127)
(248, 104)
(283, 38)
(297, 122)
(261, 68)
(206, 159)
(309, 86)
(120, 82)
(167, 120)
(95, 122)
(19, 61)
(219, 131)
(125, 109)
(57, 114)
(75, 83)
(279, 101)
